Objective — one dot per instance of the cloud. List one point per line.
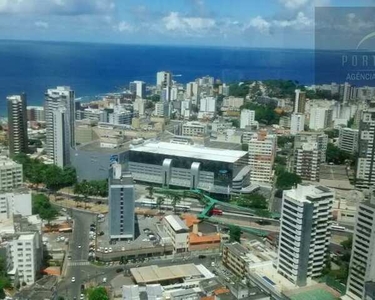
(56, 7)
(293, 4)
(123, 27)
(41, 24)
(299, 22)
(260, 24)
(177, 23)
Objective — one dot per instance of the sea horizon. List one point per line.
(98, 68)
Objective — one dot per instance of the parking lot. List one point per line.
(147, 236)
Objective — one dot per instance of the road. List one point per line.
(78, 266)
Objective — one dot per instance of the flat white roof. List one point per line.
(153, 273)
(176, 223)
(26, 237)
(191, 151)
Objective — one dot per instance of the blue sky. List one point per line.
(242, 23)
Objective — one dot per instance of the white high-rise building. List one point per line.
(11, 174)
(26, 254)
(138, 88)
(365, 177)
(320, 118)
(348, 139)
(304, 232)
(15, 202)
(297, 123)
(192, 90)
(185, 108)
(61, 147)
(62, 96)
(362, 268)
(139, 106)
(262, 151)
(247, 118)
(163, 79)
(208, 105)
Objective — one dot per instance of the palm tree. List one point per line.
(175, 200)
(150, 191)
(159, 202)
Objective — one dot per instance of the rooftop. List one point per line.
(26, 237)
(308, 192)
(152, 274)
(176, 223)
(191, 151)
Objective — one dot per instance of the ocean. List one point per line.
(92, 69)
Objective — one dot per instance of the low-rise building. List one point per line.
(15, 202)
(194, 129)
(11, 174)
(178, 232)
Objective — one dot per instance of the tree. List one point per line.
(42, 207)
(347, 244)
(234, 233)
(150, 190)
(336, 155)
(254, 200)
(176, 199)
(286, 180)
(283, 140)
(98, 293)
(235, 123)
(245, 147)
(159, 202)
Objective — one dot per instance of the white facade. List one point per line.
(185, 108)
(26, 256)
(304, 232)
(61, 147)
(320, 118)
(297, 123)
(15, 202)
(262, 151)
(139, 106)
(36, 113)
(163, 78)
(162, 109)
(208, 105)
(192, 90)
(348, 139)
(366, 156)
(361, 268)
(178, 232)
(194, 129)
(247, 118)
(11, 174)
(62, 96)
(138, 88)
(233, 102)
(120, 116)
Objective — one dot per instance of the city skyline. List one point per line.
(271, 24)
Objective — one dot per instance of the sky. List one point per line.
(232, 23)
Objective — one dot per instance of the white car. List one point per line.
(79, 246)
(82, 297)
(106, 250)
(104, 279)
(73, 279)
(110, 249)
